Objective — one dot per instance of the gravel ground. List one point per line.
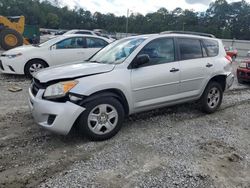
(168, 147)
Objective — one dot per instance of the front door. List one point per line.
(156, 82)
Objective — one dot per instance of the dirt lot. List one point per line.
(169, 147)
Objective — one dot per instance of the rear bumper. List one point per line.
(55, 116)
(243, 74)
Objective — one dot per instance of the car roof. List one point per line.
(189, 33)
(72, 30)
(85, 35)
(188, 36)
(167, 34)
(79, 30)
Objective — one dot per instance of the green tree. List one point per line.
(223, 19)
(52, 20)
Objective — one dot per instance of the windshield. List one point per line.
(118, 51)
(50, 41)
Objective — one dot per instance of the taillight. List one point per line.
(229, 58)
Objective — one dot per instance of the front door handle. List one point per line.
(209, 65)
(174, 70)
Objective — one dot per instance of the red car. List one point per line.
(231, 52)
(243, 71)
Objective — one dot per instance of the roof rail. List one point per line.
(189, 33)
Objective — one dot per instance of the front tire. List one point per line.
(102, 118)
(211, 98)
(33, 66)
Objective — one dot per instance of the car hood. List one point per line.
(72, 70)
(20, 49)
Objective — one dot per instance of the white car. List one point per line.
(96, 32)
(63, 49)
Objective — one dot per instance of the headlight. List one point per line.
(243, 65)
(60, 89)
(13, 55)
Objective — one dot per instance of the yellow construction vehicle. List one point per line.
(11, 32)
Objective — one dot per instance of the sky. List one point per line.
(120, 7)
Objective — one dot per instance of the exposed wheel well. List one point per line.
(116, 93)
(221, 79)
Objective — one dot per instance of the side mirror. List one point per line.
(141, 60)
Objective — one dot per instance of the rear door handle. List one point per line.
(174, 70)
(209, 65)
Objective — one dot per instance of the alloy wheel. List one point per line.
(213, 97)
(102, 119)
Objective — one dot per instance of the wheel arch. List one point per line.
(112, 92)
(40, 59)
(221, 79)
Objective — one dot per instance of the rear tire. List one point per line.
(240, 81)
(10, 38)
(33, 66)
(102, 118)
(211, 98)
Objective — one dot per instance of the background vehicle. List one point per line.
(63, 49)
(248, 54)
(13, 32)
(131, 75)
(96, 32)
(78, 31)
(104, 33)
(243, 71)
(61, 32)
(232, 52)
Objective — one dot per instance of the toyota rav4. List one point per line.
(128, 76)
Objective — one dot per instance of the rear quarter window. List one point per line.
(95, 42)
(212, 47)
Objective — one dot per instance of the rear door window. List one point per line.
(190, 48)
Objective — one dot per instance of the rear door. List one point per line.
(195, 65)
(68, 50)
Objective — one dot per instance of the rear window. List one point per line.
(212, 47)
(190, 48)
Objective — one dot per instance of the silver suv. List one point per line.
(131, 75)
